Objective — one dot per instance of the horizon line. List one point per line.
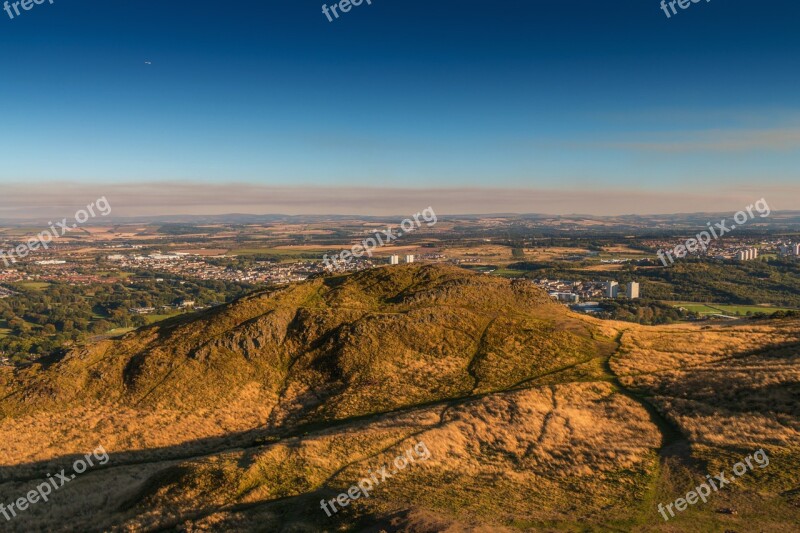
(21, 201)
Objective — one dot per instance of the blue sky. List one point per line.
(449, 94)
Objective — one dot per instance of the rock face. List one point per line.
(245, 416)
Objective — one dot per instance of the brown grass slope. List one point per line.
(245, 417)
(322, 350)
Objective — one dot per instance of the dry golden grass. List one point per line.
(530, 446)
(667, 347)
(727, 386)
(536, 420)
(605, 267)
(622, 249)
(45, 435)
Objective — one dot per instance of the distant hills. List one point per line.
(593, 224)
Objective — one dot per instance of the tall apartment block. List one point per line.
(612, 289)
(632, 290)
(747, 254)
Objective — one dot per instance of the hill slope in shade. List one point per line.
(246, 416)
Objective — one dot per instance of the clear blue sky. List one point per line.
(420, 93)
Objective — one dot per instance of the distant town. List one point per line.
(106, 280)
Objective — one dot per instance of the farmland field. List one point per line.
(725, 309)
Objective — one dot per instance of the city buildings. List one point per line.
(567, 297)
(409, 259)
(394, 260)
(748, 254)
(632, 290)
(612, 289)
(584, 290)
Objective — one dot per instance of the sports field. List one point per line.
(726, 309)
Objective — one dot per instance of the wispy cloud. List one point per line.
(23, 201)
(714, 140)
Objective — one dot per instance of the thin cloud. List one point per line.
(25, 201)
(717, 140)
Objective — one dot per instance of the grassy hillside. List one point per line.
(245, 417)
(328, 349)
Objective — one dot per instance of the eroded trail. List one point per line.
(675, 446)
(675, 443)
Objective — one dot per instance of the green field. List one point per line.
(283, 256)
(509, 273)
(281, 252)
(152, 319)
(116, 332)
(110, 274)
(725, 309)
(697, 308)
(33, 285)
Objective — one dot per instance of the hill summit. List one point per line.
(246, 416)
(329, 348)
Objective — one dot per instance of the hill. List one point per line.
(245, 416)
